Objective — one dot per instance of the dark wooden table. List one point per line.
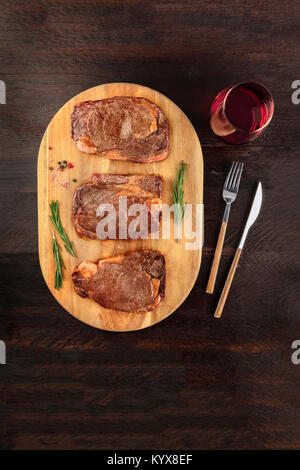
(191, 382)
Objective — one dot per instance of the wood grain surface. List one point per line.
(182, 264)
(191, 381)
(227, 285)
(216, 259)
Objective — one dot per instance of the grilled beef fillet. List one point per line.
(134, 282)
(121, 128)
(105, 188)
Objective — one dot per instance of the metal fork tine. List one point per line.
(232, 175)
(239, 178)
(238, 172)
(228, 176)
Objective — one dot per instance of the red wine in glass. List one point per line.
(241, 112)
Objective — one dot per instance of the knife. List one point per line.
(255, 209)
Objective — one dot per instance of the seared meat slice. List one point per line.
(121, 128)
(105, 188)
(134, 282)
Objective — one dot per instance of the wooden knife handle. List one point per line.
(225, 291)
(216, 261)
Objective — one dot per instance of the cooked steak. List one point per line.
(107, 189)
(134, 282)
(121, 128)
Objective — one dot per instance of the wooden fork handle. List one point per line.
(225, 291)
(216, 261)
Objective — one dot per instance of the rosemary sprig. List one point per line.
(58, 263)
(178, 193)
(55, 219)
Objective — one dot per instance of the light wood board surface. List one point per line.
(182, 265)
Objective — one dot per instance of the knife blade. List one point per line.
(253, 214)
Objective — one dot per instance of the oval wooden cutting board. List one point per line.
(182, 266)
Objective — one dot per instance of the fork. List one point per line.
(230, 190)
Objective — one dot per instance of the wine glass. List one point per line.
(241, 112)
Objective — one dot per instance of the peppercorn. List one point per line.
(74, 180)
(59, 163)
(65, 161)
(50, 168)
